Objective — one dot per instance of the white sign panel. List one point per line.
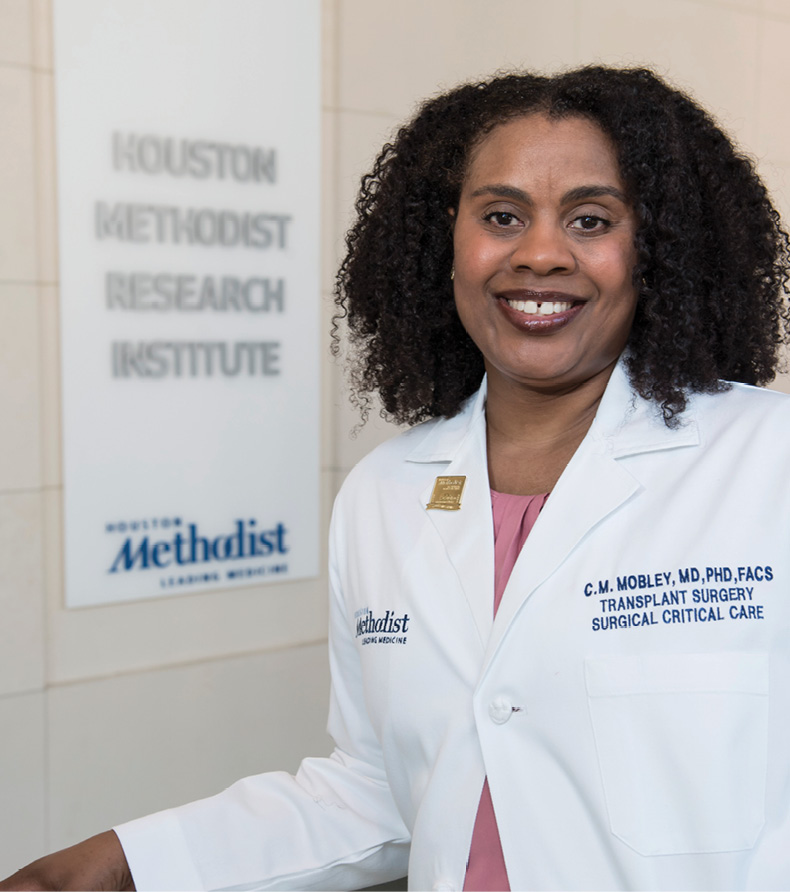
(188, 154)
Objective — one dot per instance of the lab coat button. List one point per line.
(500, 710)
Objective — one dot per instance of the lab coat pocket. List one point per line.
(682, 746)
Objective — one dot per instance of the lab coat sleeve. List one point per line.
(332, 826)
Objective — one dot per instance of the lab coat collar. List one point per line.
(447, 435)
(593, 485)
(625, 424)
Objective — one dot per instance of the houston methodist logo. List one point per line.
(387, 629)
(187, 547)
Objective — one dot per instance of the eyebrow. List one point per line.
(580, 193)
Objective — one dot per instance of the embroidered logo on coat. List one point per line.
(388, 629)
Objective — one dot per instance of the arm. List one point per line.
(333, 825)
(96, 863)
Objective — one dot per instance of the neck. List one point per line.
(532, 433)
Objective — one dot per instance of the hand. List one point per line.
(97, 863)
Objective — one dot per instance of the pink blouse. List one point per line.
(514, 517)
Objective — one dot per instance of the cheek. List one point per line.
(475, 254)
(472, 310)
(615, 269)
(463, 306)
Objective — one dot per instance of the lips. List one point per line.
(539, 311)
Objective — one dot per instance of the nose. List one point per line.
(543, 248)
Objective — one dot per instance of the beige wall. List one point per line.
(109, 712)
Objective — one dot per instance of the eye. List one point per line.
(589, 223)
(503, 219)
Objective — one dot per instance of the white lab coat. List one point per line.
(630, 704)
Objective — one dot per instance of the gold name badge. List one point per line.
(447, 492)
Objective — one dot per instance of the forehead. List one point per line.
(540, 151)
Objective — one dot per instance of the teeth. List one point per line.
(544, 308)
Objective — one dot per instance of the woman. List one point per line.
(577, 694)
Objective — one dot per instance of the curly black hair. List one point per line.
(712, 258)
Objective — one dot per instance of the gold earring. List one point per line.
(452, 272)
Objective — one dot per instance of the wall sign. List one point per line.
(188, 153)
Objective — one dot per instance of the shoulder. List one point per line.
(388, 464)
(742, 405)
(397, 448)
(410, 460)
(745, 425)
(382, 497)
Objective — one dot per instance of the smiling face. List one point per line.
(544, 253)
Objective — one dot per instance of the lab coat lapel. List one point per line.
(594, 484)
(467, 534)
(592, 487)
